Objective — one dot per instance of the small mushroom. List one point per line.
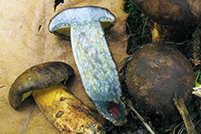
(58, 104)
(92, 56)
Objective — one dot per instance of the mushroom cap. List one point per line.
(60, 24)
(155, 74)
(171, 12)
(36, 78)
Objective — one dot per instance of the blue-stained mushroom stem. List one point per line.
(92, 56)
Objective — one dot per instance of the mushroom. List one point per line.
(172, 19)
(155, 74)
(58, 104)
(36, 78)
(97, 69)
(171, 12)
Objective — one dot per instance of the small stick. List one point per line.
(140, 117)
(179, 103)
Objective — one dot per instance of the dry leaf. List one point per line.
(21, 47)
(26, 41)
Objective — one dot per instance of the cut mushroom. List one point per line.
(60, 107)
(92, 56)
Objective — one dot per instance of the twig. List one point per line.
(145, 25)
(25, 126)
(2, 86)
(174, 130)
(140, 117)
(179, 103)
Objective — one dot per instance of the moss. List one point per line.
(138, 26)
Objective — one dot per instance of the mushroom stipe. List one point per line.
(65, 111)
(54, 99)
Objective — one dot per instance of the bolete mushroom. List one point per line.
(155, 74)
(171, 12)
(173, 20)
(97, 69)
(58, 104)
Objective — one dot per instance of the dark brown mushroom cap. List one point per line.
(155, 74)
(171, 12)
(36, 78)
